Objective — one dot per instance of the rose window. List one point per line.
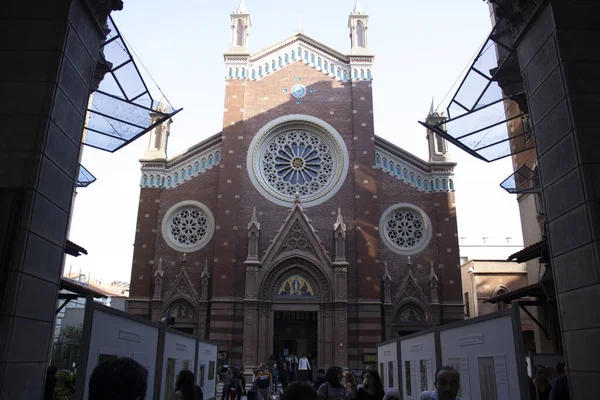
(188, 226)
(297, 157)
(405, 228)
(297, 162)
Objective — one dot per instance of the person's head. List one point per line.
(540, 371)
(275, 366)
(299, 391)
(540, 380)
(447, 383)
(263, 367)
(426, 395)
(321, 371)
(392, 394)
(334, 375)
(372, 379)
(350, 378)
(120, 379)
(285, 366)
(185, 379)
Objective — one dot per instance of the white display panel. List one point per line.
(206, 369)
(179, 353)
(387, 363)
(114, 334)
(484, 353)
(418, 355)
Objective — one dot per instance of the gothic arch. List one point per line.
(181, 300)
(500, 289)
(411, 312)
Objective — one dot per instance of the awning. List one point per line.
(123, 107)
(523, 180)
(476, 115)
(84, 177)
(531, 252)
(79, 288)
(534, 290)
(74, 250)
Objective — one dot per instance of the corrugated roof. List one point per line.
(80, 288)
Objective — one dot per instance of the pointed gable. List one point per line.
(296, 237)
(182, 287)
(409, 288)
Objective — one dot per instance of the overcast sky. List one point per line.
(421, 49)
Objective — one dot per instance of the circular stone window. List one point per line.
(297, 155)
(405, 229)
(188, 226)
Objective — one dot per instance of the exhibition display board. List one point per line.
(109, 334)
(488, 353)
(206, 370)
(419, 361)
(387, 360)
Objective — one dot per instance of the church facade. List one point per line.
(296, 229)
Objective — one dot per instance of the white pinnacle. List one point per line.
(357, 8)
(241, 8)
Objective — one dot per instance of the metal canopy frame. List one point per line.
(84, 177)
(122, 108)
(523, 180)
(476, 114)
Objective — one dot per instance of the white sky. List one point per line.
(421, 48)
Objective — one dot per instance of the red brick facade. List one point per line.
(226, 189)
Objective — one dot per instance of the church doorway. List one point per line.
(296, 332)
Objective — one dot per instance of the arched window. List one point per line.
(182, 174)
(203, 163)
(405, 174)
(391, 166)
(444, 184)
(377, 159)
(196, 167)
(230, 73)
(345, 75)
(362, 74)
(306, 55)
(151, 180)
(287, 60)
(398, 172)
(437, 184)
(273, 65)
(293, 55)
(331, 69)
(369, 74)
(451, 184)
(385, 162)
(169, 182)
(279, 63)
(500, 290)
(237, 72)
(325, 66)
(162, 183)
(266, 68)
(412, 178)
(259, 71)
(175, 178)
(418, 181)
(253, 74)
(426, 185)
(243, 72)
(312, 59)
(190, 171)
(360, 34)
(145, 181)
(217, 156)
(240, 33)
(319, 62)
(210, 161)
(339, 73)
(355, 74)
(299, 52)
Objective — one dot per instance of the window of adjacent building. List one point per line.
(467, 305)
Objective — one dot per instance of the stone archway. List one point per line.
(185, 314)
(295, 284)
(411, 316)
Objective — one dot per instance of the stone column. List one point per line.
(50, 58)
(559, 58)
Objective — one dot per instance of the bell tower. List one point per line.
(438, 146)
(159, 136)
(240, 29)
(358, 22)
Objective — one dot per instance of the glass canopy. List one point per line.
(123, 107)
(84, 177)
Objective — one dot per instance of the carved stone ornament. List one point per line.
(181, 288)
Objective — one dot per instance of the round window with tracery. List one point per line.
(188, 226)
(297, 158)
(405, 228)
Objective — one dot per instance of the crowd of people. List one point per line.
(126, 379)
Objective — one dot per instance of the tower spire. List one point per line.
(240, 29)
(358, 22)
(241, 8)
(357, 8)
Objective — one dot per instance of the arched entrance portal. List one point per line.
(295, 313)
